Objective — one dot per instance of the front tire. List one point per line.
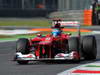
(73, 44)
(22, 45)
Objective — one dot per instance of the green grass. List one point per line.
(27, 22)
(44, 23)
(93, 66)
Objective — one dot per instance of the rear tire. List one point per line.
(89, 48)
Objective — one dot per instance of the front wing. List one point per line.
(60, 56)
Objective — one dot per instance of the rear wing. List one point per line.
(68, 23)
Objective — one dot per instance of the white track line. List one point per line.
(15, 32)
(82, 67)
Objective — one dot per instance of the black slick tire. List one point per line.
(73, 43)
(22, 45)
(89, 48)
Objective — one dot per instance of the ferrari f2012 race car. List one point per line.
(55, 46)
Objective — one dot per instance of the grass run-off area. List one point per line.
(25, 22)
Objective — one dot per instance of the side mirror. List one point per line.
(69, 34)
(39, 35)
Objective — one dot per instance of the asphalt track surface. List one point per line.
(9, 67)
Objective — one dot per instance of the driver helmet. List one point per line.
(56, 32)
(58, 25)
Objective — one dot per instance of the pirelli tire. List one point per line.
(73, 43)
(22, 45)
(89, 47)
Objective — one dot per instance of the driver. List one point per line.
(56, 29)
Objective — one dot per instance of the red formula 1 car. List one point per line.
(55, 46)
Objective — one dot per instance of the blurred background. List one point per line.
(67, 9)
(39, 8)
